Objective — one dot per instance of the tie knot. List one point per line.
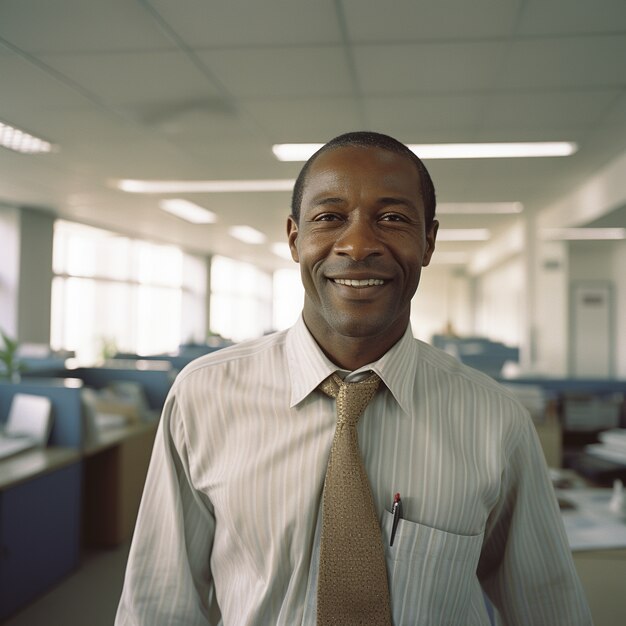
(352, 398)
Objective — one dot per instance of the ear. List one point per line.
(431, 236)
(292, 235)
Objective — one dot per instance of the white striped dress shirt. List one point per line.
(229, 520)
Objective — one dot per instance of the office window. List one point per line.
(241, 299)
(114, 292)
(288, 297)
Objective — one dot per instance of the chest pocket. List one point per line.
(432, 575)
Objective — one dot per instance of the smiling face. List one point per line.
(361, 242)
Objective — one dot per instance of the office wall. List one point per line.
(596, 263)
(550, 315)
(444, 295)
(499, 302)
(591, 260)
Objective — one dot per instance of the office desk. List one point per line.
(598, 540)
(115, 468)
(30, 464)
(603, 575)
(39, 523)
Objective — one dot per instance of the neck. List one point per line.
(352, 352)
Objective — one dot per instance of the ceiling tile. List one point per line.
(566, 17)
(407, 20)
(78, 125)
(592, 61)
(79, 26)
(245, 23)
(237, 158)
(24, 85)
(426, 114)
(547, 111)
(196, 121)
(129, 78)
(108, 162)
(292, 72)
(427, 68)
(304, 120)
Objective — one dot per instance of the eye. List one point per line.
(326, 217)
(394, 217)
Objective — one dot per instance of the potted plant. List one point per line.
(10, 367)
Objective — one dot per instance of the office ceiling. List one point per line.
(199, 89)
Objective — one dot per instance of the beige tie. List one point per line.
(352, 587)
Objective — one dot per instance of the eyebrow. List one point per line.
(397, 200)
(323, 200)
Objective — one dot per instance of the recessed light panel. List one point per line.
(247, 234)
(463, 234)
(302, 151)
(20, 141)
(479, 208)
(188, 211)
(203, 186)
(582, 234)
(282, 250)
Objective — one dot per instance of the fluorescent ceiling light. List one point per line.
(463, 234)
(247, 234)
(203, 186)
(479, 208)
(295, 151)
(282, 250)
(188, 211)
(20, 141)
(581, 234)
(494, 150)
(302, 151)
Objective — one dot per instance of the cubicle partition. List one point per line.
(584, 407)
(155, 377)
(40, 499)
(78, 491)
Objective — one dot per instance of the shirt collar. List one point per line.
(309, 366)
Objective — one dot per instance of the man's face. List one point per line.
(361, 243)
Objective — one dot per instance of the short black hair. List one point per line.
(368, 139)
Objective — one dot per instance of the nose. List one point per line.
(358, 240)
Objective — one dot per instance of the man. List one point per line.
(236, 517)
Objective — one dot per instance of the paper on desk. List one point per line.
(591, 525)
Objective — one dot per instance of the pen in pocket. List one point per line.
(396, 511)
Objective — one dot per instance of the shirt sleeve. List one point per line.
(526, 567)
(168, 578)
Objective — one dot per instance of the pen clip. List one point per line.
(396, 511)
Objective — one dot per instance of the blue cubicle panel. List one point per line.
(155, 377)
(39, 535)
(571, 385)
(183, 357)
(67, 422)
(478, 352)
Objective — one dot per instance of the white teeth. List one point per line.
(367, 282)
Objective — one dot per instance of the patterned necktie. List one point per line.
(352, 586)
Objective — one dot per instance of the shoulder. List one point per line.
(443, 364)
(463, 387)
(254, 354)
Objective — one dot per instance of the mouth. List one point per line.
(359, 283)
